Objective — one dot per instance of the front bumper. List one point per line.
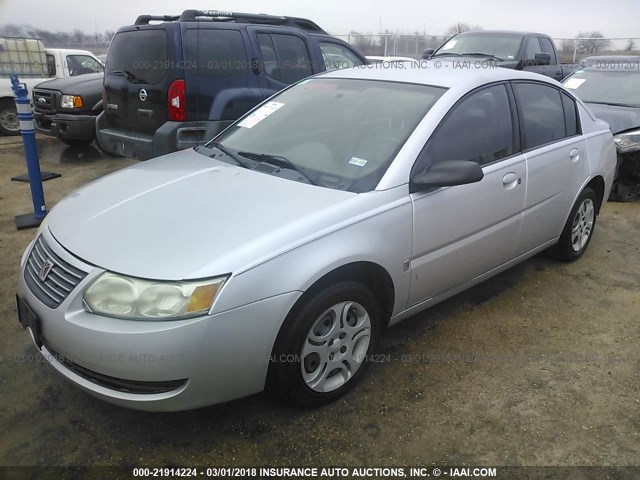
(66, 126)
(158, 366)
(170, 137)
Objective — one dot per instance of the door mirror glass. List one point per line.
(542, 59)
(426, 55)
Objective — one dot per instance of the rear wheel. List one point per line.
(579, 228)
(9, 123)
(322, 351)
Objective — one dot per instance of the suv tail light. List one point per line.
(177, 101)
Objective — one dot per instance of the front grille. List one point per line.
(61, 279)
(119, 384)
(44, 100)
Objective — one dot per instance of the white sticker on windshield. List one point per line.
(450, 44)
(574, 83)
(360, 162)
(260, 114)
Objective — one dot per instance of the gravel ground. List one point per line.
(538, 366)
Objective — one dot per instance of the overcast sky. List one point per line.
(614, 18)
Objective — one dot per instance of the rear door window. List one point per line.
(542, 113)
(216, 53)
(142, 53)
(285, 57)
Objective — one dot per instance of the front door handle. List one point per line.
(574, 155)
(510, 180)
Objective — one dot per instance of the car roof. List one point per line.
(502, 32)
(448, 73)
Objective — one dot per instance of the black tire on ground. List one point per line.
(9, 124)
(578, 231)
(287, 362)
(74, 142)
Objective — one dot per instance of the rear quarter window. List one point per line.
(142, 53)
(216, 53)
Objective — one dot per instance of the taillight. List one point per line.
(177, 101)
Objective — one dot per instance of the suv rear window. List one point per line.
(142, 53)
(216, 53)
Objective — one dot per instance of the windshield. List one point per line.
(610, 87)
(339, 133)
(504, 47)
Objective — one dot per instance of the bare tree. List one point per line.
(458, 28)
(368, 44)
(592, 42)
(631, 45)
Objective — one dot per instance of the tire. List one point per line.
(9, 123)
(75, 142)
(344, 319)
(578, 230)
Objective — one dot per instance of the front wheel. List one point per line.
(9, 123)
(322, 350)
(579, 228)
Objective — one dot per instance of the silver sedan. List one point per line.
(277, 254)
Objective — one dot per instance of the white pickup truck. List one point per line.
(33, 63)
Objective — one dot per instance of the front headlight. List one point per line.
(134, 298)
(628, 141)
(71, 101)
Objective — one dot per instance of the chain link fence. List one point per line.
(571, 50)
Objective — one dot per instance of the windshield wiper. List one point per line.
(233, 155)
(613, 104)
(446, 55)
(277, 161)
(124, 73)
(480, 54)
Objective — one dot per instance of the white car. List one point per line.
(278, 253)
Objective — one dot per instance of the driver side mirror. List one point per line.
(448, 174)
(426, 55)
(542, 59)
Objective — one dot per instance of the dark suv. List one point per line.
(176, 84)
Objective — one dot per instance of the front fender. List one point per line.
(384, 238)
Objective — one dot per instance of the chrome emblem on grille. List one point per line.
(42, 100)
(44, 270)
(143, 94)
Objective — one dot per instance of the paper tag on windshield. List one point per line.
(260, 114)
(450, 44)
(360, 162)
(574, 83)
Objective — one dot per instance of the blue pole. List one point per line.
(23, 105)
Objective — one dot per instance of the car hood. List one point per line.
(618, 118)
(80, 85)
(184, 214)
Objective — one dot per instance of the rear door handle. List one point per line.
(510, 180)
(574, 155)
